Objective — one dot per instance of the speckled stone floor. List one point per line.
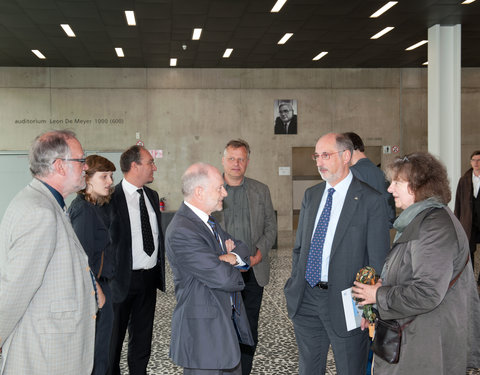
(277, 351)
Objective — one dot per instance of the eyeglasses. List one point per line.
(81, 161)
(475, 160)
(324, 155)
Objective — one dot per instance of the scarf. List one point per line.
(411, 212)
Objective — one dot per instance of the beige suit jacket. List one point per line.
(47, 302)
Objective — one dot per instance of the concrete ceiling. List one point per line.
(341, 27)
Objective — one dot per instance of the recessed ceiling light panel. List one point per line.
(196, 34)
(68, 30)
(130, 15)
(383, 9)
(416, 45)
(468, 2)
(382, 33)
(278, 5)
(285, 38)
(173, 62)
(319, 56)
(119, 52)
(227, 53)
(37, 53)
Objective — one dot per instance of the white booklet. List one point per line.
(353, 312)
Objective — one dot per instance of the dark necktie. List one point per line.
(234, 296)
(314, 263)
(213, 224)
(148, 244)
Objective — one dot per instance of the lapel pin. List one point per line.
(356, 198)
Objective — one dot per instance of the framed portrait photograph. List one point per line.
(285, 116)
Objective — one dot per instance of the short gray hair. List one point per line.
(196, 175)
(48, 147)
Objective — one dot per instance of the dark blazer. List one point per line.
(280, 127)
(121, 235)
(203, 334)
(361, 238)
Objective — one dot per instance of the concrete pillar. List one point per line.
(444, 90)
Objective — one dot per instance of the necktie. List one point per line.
(234, 296)
(213, 224)
(314, 262)
(148, 244)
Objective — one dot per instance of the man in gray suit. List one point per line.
(209, 320)
(352, 232)
(47, 302)
(248, 216)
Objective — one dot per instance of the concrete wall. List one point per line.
(191, 113)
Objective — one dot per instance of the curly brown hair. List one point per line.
(97, 163)
(426, 176)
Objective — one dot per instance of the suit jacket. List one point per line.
(121, 234)
(280, 126)
(361, 239)
(47, 304)
(464, 203)
(203, 334)
(263, 225)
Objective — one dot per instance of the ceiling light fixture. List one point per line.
(416, 45)
(227, 53)
(285, 38)
(196, 34)
(38, 54)
(119, 52)
(130, 17)
(468, 2)
(383, 9)
(319, 56)
(68, 30)
(425, 63)
(278, 5)
(382, 33)
(173, 62)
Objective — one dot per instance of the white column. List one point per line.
(444, 94)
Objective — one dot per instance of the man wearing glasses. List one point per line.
(137, 241)
(47, 308)
(343, 226)
(286, 123)
(467, 203)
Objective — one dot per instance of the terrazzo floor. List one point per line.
(276, 352)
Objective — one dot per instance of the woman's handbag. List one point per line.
(388, 339)
(388, 333)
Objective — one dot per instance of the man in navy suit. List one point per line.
(356, 235)
(209, 320)
(139, 260)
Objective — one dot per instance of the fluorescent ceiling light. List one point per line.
(278, 5)
(68, 30)
(119, 52)
(38, 54)
(227, 53)
(383, 9)
(196, 34)
(173, 62)
(382, 33)
(319, 56)
(468, 1)
(130, 17)
(426, 62)
(416, 45)
(285, 38)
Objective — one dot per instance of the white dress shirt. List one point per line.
(338, 198)
(476, 184)
(140, 259)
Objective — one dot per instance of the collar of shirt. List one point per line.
(58, 197)
(476, 184)
(225, 183)
(202, 215)
(130, 188)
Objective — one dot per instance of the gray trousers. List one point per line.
(314, 334)
(237, 370)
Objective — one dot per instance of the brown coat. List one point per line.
(444, 336)
(464, 203)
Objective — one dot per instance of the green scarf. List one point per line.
(411, 211)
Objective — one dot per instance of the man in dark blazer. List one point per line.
(209, 319)
(248, 215)
(356, 236)
(139, 263)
